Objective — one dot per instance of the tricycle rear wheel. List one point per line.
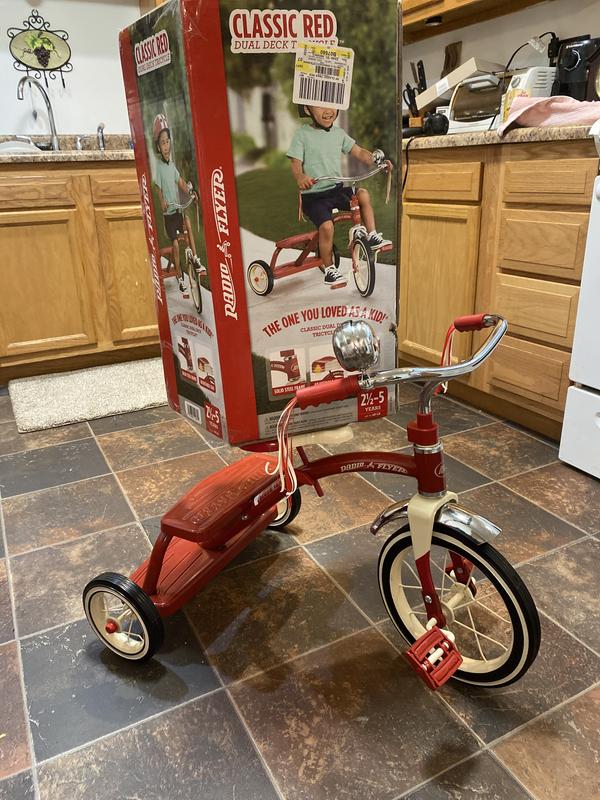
(336, 257)
(123, 616)
(260, 277)
(288, 509)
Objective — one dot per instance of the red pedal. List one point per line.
(434, 657)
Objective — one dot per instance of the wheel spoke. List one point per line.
(414, 573)
(489, 611)
(476, 636)
(443, 583)
(483, 635)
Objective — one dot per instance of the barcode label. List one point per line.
(323, 75)
(193, 411)
(329, 72)
(315, 90)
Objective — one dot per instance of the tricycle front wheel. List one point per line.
(192, 271)
(363, 267)
(493, 617)
(123, 616)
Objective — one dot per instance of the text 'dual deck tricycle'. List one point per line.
(462, 608)
(262, 276)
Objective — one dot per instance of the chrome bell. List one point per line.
(355, 346)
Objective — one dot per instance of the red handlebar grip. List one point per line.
(472, 322)
(328, 391)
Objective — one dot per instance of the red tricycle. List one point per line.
(462, 608)
(193, 267)
(262, 276)
(288, 365)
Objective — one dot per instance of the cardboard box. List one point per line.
(215, 92)
(470, 69)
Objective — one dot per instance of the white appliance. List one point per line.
(529, 82)
(475, 105)
(580, 439)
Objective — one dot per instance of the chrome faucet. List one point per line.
(33, 82)
(100, 134)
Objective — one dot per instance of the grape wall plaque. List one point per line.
(38, 50)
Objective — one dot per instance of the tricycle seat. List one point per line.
(211, 512)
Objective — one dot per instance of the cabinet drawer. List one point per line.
(543, 242)
(566, 182)
(35, 191)
(541, 310)
(444, 181)
(536, 373)
(116, 188)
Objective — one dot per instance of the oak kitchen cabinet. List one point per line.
(499, 227)
(454, 14)
(75, 285)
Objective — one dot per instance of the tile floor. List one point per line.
(283, 679)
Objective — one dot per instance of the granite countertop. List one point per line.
(516, 136)
(117, 149)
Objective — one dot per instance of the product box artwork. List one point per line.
(266, 146)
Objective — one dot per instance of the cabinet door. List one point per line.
(440, 245)
(45, 300)
(126, 273)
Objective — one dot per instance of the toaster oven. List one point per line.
(475, 104)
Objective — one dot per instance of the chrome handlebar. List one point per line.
(352, 179)
(434, 376)
(183, 206)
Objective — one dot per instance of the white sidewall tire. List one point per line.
(518, 601)
(267, 281)
(194, 285)
(365, 288)
(132, 595)
(293, 504)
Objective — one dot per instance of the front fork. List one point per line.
(422, 513)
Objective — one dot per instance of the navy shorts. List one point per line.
(173, 224)
(318, 206)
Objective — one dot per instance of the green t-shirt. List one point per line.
(167, 178)
(320, 152)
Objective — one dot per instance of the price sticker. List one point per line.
(323, 75)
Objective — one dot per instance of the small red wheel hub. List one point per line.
(111, 626)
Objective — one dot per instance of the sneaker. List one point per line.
(334, 278)
(200, 268)
(376, 241)
(181, 285)
(360, 232)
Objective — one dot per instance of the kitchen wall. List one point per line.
(496, 39)
(94, 90)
